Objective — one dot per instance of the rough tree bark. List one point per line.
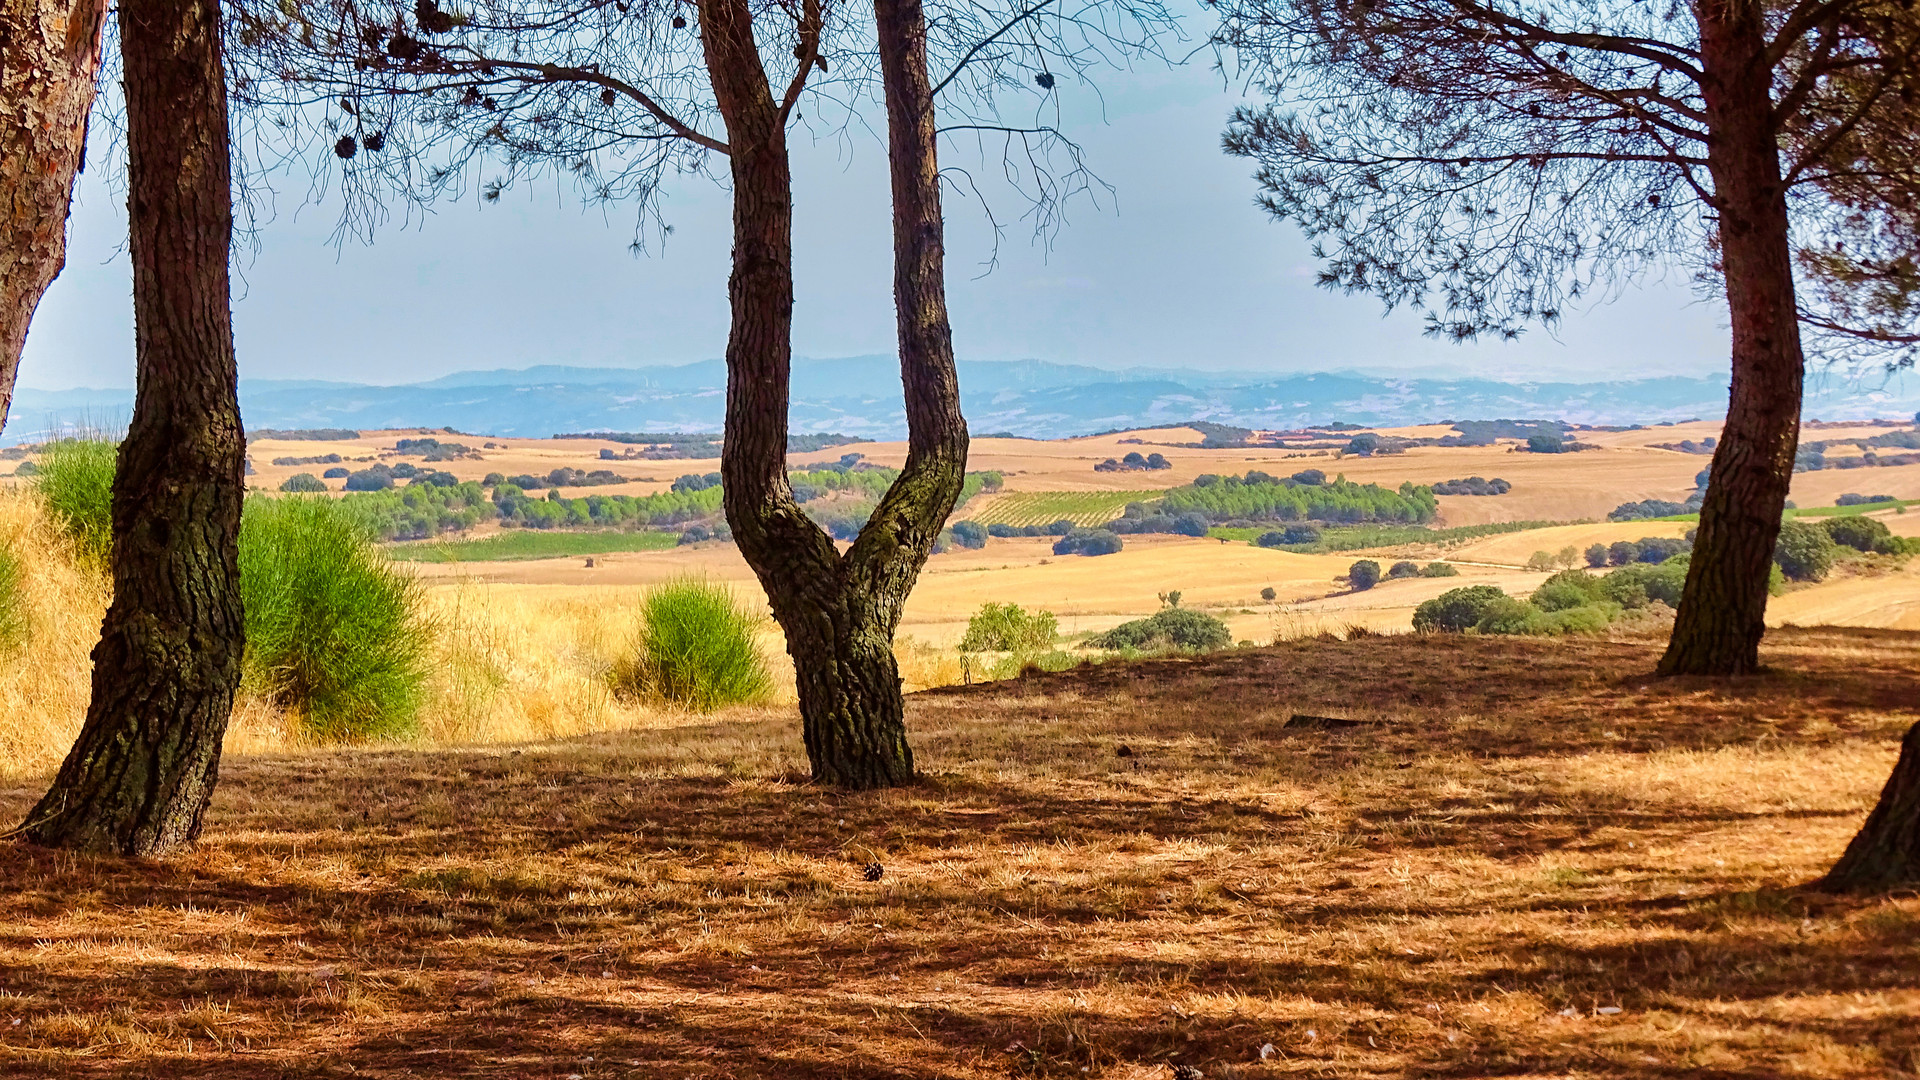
(1723, 610)
(1886, 851)
(139, 777)
(839, 612)
(49, 59)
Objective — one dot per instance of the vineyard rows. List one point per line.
(1088, 508)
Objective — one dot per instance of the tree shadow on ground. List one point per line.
(1533, 832)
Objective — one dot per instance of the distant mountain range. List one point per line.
(860, 396)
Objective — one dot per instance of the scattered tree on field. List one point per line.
(139, 777)
(1363, 575)
(49, 65)
(1490, 163)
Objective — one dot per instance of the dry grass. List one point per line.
(44, 688)
(509, 665)
(1539, 863)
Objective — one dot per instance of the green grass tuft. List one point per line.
(75, 482)
(334, 633)
(696, 649)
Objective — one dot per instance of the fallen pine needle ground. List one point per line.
(1534, 862)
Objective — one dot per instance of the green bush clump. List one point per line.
(1569, 589)
(303, 484)
(1804, 551)
(1087, 542)
(1597, 555)
(1403, 570)
(1363, 575)
(1863, 534)
(1637, 584)
(75, 482)
(695, 649)
(1009, 628)
(1457, 609)
(969, 534)
(1176, 627)
(1440, 569)
(334, 633)
(1519, 617)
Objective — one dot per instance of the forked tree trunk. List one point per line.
(1886, 851)
(49, 59)
(1723, 610)
(138, 779)
(839, 612)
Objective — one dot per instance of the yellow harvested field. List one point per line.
(1889, 600)
(1089, 594)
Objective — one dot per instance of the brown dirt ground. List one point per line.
(1539, 863)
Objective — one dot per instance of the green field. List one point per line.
(1821, 511)
(1087, 508)
(518, 544)
(1360, 537)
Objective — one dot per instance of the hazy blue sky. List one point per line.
(1179, 270)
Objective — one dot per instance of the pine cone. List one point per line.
(1187, 1072)
(874, 872)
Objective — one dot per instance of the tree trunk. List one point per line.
(138, 779)
(839, 612)
(1723, 610)
(49, 59)
(1886, 851)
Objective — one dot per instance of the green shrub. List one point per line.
(14, 623)
(1363, 575)
(696, 649)
(303, 484)
(1505, 615)
(1597, 555)
(1268, 594)
(1182, 628)
(1403, 570)
(1457, 609)
(1088, 542)
(1440, 569)
(1509, 616)
(969, 534)
(1009, 628)
(76, 483)
(1804, 551)
(1635, 585)
(1568, 589)
(334, 633)
(1862, 534)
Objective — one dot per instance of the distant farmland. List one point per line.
(1046, 507)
